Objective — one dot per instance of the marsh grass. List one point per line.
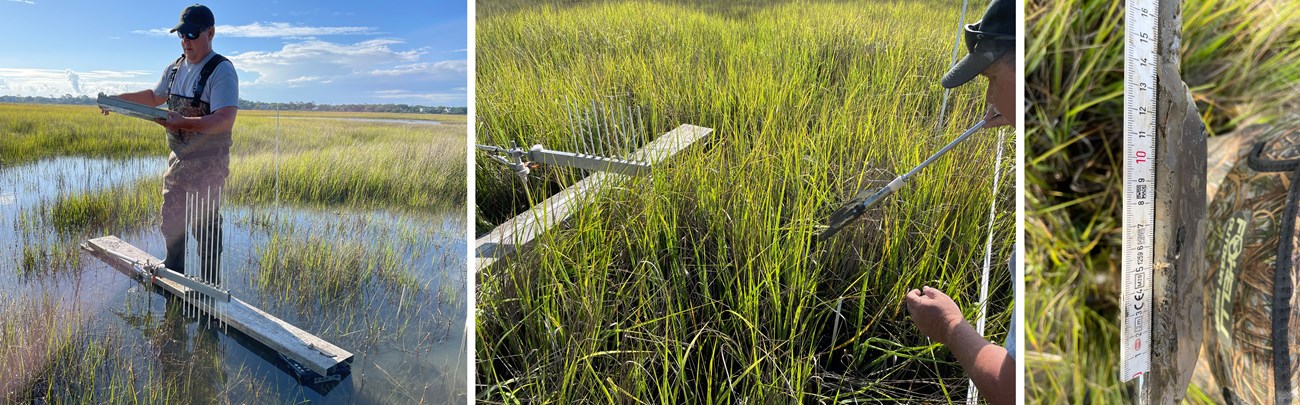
(311, 270)
(699, 283)
(1241, 60)
(56, 353)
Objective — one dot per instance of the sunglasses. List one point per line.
(973, 35)
(190, 35)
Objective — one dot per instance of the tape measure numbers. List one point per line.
(1141, 56)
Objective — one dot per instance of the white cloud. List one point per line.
(302, 80)
(57, 82)
(273, 30)
(23, 1)
(74, 79)
(322, 60)
(442, 69)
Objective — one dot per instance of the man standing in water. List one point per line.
(991, 43)
(201, 91)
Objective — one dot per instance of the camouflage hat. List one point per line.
(1253, 248)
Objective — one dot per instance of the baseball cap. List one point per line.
(194, 19)
(986, 40)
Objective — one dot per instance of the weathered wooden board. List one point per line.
(521, 230)
(309, 350)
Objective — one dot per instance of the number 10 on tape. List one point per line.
(1140, 26)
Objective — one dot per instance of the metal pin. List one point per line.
(221, 262)
(207, 236)
(602, 130)
(628, 145)
(575, 124)
(618, 130)
(586, 133)
(641, 130)
(190, 203)
(632, 132)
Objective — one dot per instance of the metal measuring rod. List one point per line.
(869, 198)
(154, 270)
(521, 161)
(600, 132)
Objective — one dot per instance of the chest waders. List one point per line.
(196, 172)
(1253, 252)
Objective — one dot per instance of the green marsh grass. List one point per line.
(339, 269)
(322, 161)
(699, 283)
(69, 358)
(1241, 60)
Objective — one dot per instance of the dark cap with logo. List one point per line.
(194, 19)
(986, 40)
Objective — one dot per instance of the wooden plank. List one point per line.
(309, 350)
(524, 228)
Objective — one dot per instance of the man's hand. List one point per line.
(994, 119)
(174, 121)
(934, 313)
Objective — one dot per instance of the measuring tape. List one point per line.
(1141, 41)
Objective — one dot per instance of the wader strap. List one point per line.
(1282, 293)
(202, 83)
(171, 78)
(1257, 162)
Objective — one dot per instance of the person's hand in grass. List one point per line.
(987, 364)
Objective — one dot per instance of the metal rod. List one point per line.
(221, 262)
(569, 112)
(190, 203)
(944, 150)
(641, 129)
(586, 130)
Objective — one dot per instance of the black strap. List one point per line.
(202, 83)
(171, 78)
(1282, 293)
(1258, 163)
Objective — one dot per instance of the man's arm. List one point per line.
(219, 121)
(146, 97)
(987, 364)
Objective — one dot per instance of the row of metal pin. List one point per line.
(604, 131)
(203, 212)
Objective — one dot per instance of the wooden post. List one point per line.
(1178, 305)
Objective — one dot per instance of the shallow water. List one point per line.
(408, 345)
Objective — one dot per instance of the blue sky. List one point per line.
(332, 52)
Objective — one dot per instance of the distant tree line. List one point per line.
(259, 105)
